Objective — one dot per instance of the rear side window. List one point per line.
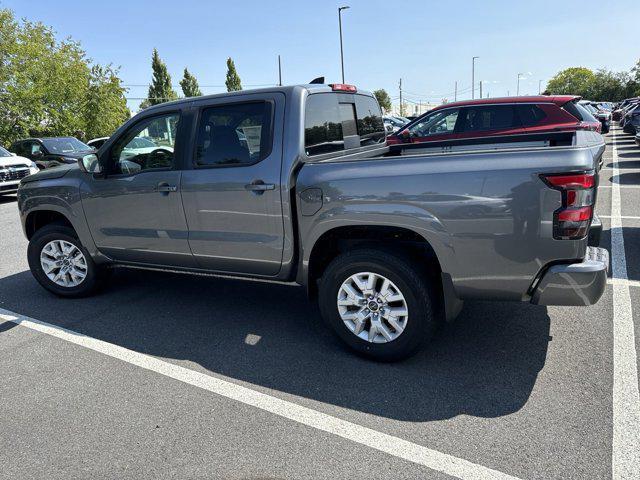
(370, 124)
(234, 135)
(491, 117)
(572, 108)
(530, 114)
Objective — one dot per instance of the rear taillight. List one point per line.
(572, 220)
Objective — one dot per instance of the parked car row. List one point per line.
(627, 113)
(473, 119)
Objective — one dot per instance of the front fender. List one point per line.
(60, 196)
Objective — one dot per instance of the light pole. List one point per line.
(473, 77)
(539, 86)
(340, 26)
(520, 75)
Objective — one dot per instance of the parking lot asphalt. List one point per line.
(166, 375)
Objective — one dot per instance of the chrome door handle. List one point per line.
(259, 186)
(166, 188)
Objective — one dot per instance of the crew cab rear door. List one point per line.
(231, 184)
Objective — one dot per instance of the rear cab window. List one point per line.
(336, 122)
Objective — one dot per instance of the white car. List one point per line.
(12, 170)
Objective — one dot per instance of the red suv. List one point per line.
(497, 116)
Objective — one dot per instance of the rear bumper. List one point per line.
(574, 284)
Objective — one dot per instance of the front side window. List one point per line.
(35, 148)
(491, 117)
(148, 145)
(437, 123)
(236, 134)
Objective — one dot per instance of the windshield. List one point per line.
(65, 145)
(4, 153)
(586, 114)
(590, 107)
(394, 121)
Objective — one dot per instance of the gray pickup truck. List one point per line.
(297, 184)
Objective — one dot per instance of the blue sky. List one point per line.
(427, 43)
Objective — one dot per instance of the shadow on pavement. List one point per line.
(627, 164)
(629, 178)
(7, 199)
(631, 237)
(485, 364)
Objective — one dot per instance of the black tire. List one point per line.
(91, 283)
(412, 282)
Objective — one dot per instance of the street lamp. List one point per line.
(473, 77)
(520, 75)
(340, 26)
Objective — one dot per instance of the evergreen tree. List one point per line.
(160, 90)
(189, 85)
(233, 80)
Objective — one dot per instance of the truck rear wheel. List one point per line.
(60, 263)
(378, 303)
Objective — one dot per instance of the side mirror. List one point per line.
(405, 134)
(90, 164)
(37, 154)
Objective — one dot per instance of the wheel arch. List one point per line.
(41, 217)
(399, 240)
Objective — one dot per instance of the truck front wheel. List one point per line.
(60, 263)
(378, 303)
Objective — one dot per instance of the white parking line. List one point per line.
(618, 185)
(624, 217)
(626, 397)
(441, 462)
(620, 281)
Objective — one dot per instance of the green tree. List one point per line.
(233, 80)
(106, 107)
(572, 81)
(383, 99)
(189, 85)
(160, 90)
(46, 84)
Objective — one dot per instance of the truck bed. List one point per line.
(486, 212)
